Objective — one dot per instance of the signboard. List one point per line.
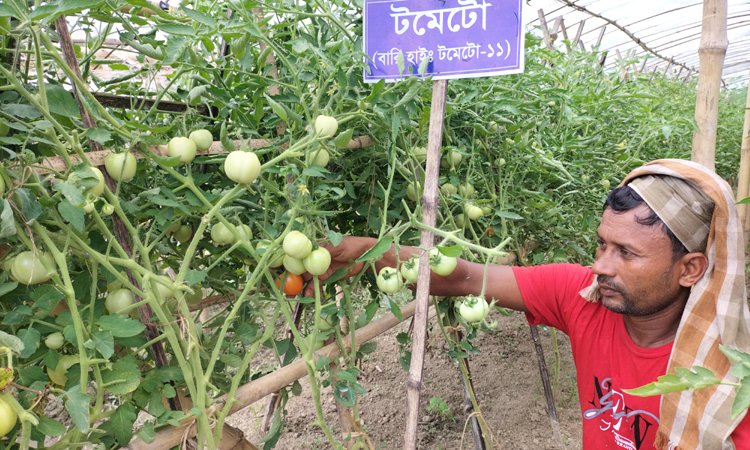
(442, 38)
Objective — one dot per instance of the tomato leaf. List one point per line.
(742, 400)
(30, 338)
(7, 224)
(195, 277)
(124, 377)
(99, 135)
(121, 326)
(224, 138)
(276, 107)
(377, 250)
(740, 361)
(10, 341)
(104, 343)
(9, 286)
(342, 139)
(77, 404)
(395, 309)
(72, 214)
(49, 427)
(29, 206)
(450, 250)
(120, 424)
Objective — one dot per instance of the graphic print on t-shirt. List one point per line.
(617, 418)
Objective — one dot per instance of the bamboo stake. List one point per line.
(743, 185)
(711, 53)
(151, 332)
(476, 429)
(272, 382)
(96, 158)
(429, 208)
(548, 395)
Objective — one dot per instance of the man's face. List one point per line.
(634, 264)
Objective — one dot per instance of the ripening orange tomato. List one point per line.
(292, 284)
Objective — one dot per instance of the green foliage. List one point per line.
(537, 150)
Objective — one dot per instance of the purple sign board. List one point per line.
(442, 38)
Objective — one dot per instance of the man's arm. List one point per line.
(465, 280)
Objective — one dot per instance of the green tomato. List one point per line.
(88, 206)
(472, 211)
(221, 234)
(244, 233)
(8, 417)
(321, 158)
(4, 128)
(317, 262)
(54, 340)
(296, 245)
(473, 309)
(460, 220)
(276, 260)
(451, 159)
(410, 269)
(202, 138)
(466, 190)
(195, 297)
(448, 189)
(294, 265)
(412, 191)
(121, 166)
(58, 375)
(441, 264)
(183, 148)
(97, 189)
(326, 126)
(107, 209)
(389, 280)
(242, 167)
(419, 153)
(183, 234)
(30, 268)
(118, 300)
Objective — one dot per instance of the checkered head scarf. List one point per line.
(716, 311)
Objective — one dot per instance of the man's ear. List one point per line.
(693, 266)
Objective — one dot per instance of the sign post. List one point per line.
(442, 39)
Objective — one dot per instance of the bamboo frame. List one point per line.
(712, 50)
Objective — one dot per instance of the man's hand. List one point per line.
(343, 256)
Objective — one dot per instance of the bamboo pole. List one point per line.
(743, 185)
(548, 395)
(96, 158)
(711, 53)
(429, 215)
(257, 389)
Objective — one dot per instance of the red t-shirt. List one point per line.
(606, 358)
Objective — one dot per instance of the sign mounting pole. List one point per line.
(429, 217)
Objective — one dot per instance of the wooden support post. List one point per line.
(548, 39)
(577, 39)
(711, 53)
(601, 36)
(429, 208)
(548, 395)
(743, 184)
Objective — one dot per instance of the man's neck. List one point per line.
(656, 329)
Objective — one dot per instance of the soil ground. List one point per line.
(507, 382)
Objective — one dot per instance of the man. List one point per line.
(666, 288)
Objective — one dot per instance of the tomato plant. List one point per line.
(441, 264)
(8, 417)
(242, 167)
(291, 282)
(118, 300)
(202, 139)
(54, 340)
(121, 166)
(182, 148)
(410, 269)
(317, 262)
(297, 245)
(389, 280)
(31, 268)
(326, 126)
(473, 309)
